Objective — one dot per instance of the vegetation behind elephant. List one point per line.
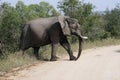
(53, 30)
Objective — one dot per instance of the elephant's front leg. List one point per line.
(64, 42)
(67, 47)
(53, 51)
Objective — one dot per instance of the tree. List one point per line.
(22, 11)
(46, 10)
(68, 7)
(113, 21)
(10, 27)
(43, 9)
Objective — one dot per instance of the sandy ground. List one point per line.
(94, 64)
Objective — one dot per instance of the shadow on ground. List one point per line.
(118, 51)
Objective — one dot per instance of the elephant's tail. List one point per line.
(22, 41)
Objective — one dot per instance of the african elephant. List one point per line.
(52, 30)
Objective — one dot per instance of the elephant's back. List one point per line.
(44, 21)
(41, 26)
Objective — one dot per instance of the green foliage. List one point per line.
(47, 10)
(75, 9)
(22, 10)
(94, 27)
(10, 27)
(43, 9)
(113, 21)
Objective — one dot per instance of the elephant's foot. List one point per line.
(54, 58)
(38, 58)
(73, 58)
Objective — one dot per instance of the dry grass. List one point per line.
(15, 60)
(100, 43)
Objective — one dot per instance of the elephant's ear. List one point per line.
(64, 25)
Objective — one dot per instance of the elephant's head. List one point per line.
(70, 26)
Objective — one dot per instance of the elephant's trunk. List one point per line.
(80, 47)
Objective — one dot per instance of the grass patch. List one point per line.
(100, 43)
(17, 59)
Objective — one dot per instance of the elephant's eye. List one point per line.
(74, 26)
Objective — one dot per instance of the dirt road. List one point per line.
(94, 64)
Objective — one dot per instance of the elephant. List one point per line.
(53, 30)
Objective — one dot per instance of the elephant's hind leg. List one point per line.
(36, 52)
(53, 52)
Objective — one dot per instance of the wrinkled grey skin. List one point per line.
(53, 30)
